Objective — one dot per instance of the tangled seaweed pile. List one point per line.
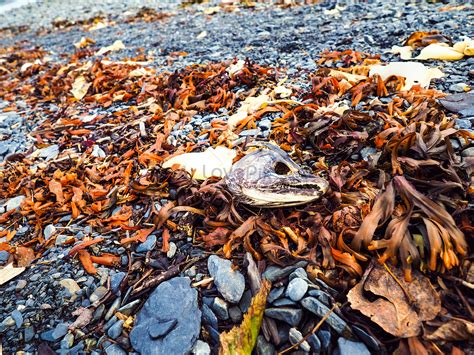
(400, 184)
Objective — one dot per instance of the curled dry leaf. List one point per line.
(399, 311)
(456, 329)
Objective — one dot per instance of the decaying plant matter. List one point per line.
(399, 191)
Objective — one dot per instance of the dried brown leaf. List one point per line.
(391, 309)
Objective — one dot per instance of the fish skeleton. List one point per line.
(268, 177)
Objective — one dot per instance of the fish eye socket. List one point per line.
(282, 168)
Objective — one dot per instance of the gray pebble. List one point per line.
(147, 245)
(295, 337)
(220, 308)
(296, 289)
(229, 282)
(292, 316)
(349, 347)
(115, 330)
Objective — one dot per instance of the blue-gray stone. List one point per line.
(114, 349)
(54, 334)
(320, 309)
(292, 316)
(349, 347)
(4, 255)
(273, 273)
(462, 123)
(229, 282)
(115, 330)
(29, 334)
(283, 302)
(314, 343)
(265, 124)
(17, 317)
(208, 316)
(171, 300)
(220, 308)
(148, 244)
(115, 279)
(321, 296)
(296, 289)
(325, 337)
(275, 294)
(263, 347)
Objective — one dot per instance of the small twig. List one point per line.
(315, 329)
(410, 298)
(466, 303)
(173, 271)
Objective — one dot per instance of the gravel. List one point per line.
(288, 38)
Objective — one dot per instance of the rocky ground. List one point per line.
(179, 298)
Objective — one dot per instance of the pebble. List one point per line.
(263, 347)
(147, 245)
(162, 307)
(220, 308)
(320, 309)
(4, 256)
(349, 347)
(296, 289)
(235, 314)
(29, 334)
(48, 231)
(98, 293)
(54, 334)
(115, 280)
(292, 316)
(17, 317)
(325, 338)
(115, 349)
(314, 343)
(459, 87)
(249, 132)
(246, 300)
(295, 337)
(201, 348)
(273, 273)
(275, 294)
(113, 308)
(67, 341)
(265, 124)
(71, 286)
(14, 203)
(463, 123)
(21, 284)
(209, 317)
(283, 302)
(229, 282)
(468, 153)
(115, 330)
(172, 250)
(321, 296)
